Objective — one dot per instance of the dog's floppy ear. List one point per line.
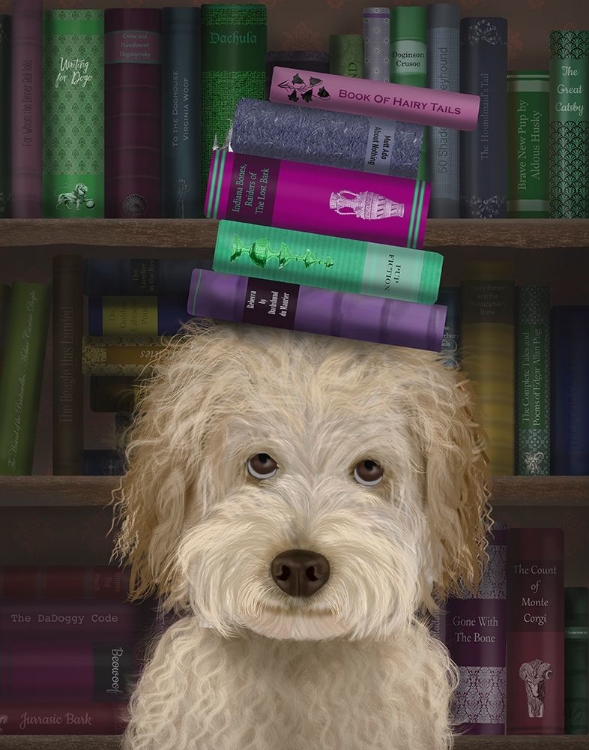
(457, 482)
(173, 414)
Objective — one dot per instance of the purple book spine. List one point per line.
(67, 620)
(240, 299)
(35, 671)
(133, 113)
(475, 631)
(27, 102)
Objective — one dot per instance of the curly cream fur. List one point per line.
(248, 667)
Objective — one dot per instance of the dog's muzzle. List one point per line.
(300, 572)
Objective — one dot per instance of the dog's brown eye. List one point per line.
(262, 466)
(368, 473)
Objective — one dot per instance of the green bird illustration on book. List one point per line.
(260, 252)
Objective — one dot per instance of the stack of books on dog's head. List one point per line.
(322, 217)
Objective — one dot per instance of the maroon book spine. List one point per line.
(133, 113)
(63, 582)
(27, 103)
(65, 717)
(73, 620)
(535, 634)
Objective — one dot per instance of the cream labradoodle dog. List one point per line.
(298, 500)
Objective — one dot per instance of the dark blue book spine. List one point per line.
(569, 345)
(154, 316)
(140, 276)
(102, 463)
(443, 144)
(181, 140)
(483, 151)
(451, 297)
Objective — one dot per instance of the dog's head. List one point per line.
(302, 486)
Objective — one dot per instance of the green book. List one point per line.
(346, 55)
(233, 55)
(5, 291)
(22, 374)
(532, 397)
(569, 125)
(73, 114)
(335, 263)
(5, 121)
(576, 660)
(528, 103)
(409, 56)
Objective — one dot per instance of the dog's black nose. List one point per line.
(299, 572)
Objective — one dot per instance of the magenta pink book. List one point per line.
(317, 199)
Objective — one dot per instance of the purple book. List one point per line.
(240, 299)
(27, 103)
(35, 671)
(133, 113)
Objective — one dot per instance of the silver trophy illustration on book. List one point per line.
(365, 205)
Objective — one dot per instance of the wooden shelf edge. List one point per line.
(201, 233)
(49, 491)
(113, 742)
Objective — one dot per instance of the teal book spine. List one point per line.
(443, 143)
(451, 298)
(576, 660)
(528, 112)
(408, 58)
(22, 374)
(5, 121)
(532, 398)
(569, 125)
(335, 263)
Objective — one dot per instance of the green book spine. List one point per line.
(5, 291)
(576, 660)
(569, 125)
(528, 103)
(5, 121)
(73, 114)
(532, 398)
(22, 374)
(409, 56)
(487, 336)
(346, 55)
(336, 263)
(234, 46)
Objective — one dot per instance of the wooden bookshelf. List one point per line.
(509, 492)
(562, 742)
(201, 233)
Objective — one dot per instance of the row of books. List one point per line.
(522, 642)
(528, 155)
(88, 114)
(70, 647)
(528, 361)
